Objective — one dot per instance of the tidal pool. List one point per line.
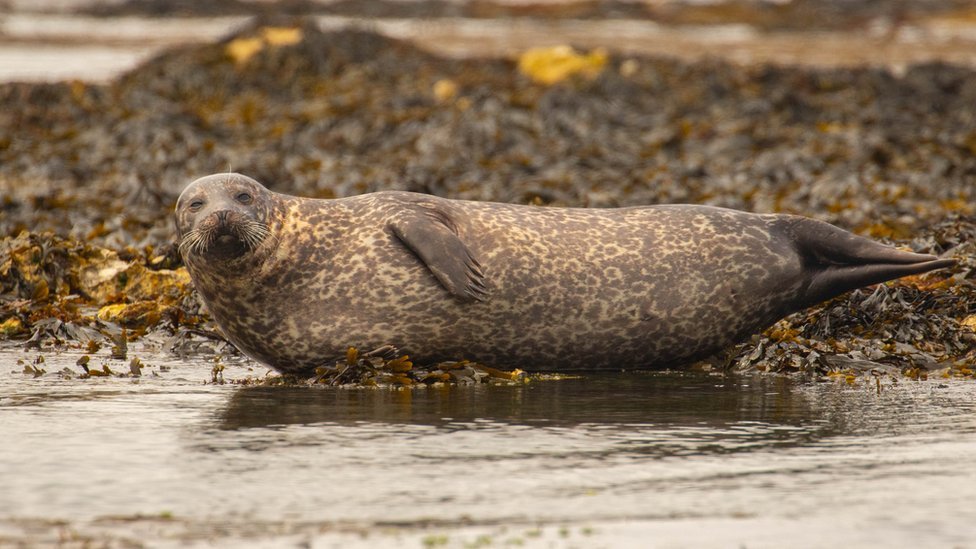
(608, 460)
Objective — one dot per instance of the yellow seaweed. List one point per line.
(242, 50)
(281, 36)
(550, 65)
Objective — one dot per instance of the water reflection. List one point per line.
(654, 415)
(611, 399)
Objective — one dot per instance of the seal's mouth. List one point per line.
(223, 236)
(226, 245)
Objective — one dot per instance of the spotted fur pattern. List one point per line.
(564, 288)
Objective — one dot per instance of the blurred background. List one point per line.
(96, 39)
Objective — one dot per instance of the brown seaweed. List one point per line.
(90, 177)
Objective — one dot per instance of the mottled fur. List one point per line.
(510, 285)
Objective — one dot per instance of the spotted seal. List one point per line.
(293, 281)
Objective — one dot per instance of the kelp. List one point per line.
(59, 290)
(386, 367)
(89, 182)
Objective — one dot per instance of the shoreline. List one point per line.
(52, 47)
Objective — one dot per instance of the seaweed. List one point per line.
(60, 290)
(386, 367)
(89, 179)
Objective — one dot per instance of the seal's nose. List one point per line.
(222, 220)
(222, 217)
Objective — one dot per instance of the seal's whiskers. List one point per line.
(191, 242)
(253, 233)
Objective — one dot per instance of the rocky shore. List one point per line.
(89, 173)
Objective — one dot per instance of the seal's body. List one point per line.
(293, 282)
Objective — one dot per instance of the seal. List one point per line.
(292, 281)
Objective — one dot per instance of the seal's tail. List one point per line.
(840, 261)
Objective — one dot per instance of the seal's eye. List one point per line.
(244, 198)
(196, 205)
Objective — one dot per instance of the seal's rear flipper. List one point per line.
(840, 261)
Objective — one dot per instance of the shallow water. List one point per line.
(607, 460)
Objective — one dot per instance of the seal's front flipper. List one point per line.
(840, 261)
(430, 234)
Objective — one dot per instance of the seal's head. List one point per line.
(222, 217)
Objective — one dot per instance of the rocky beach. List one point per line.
(89, 171)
